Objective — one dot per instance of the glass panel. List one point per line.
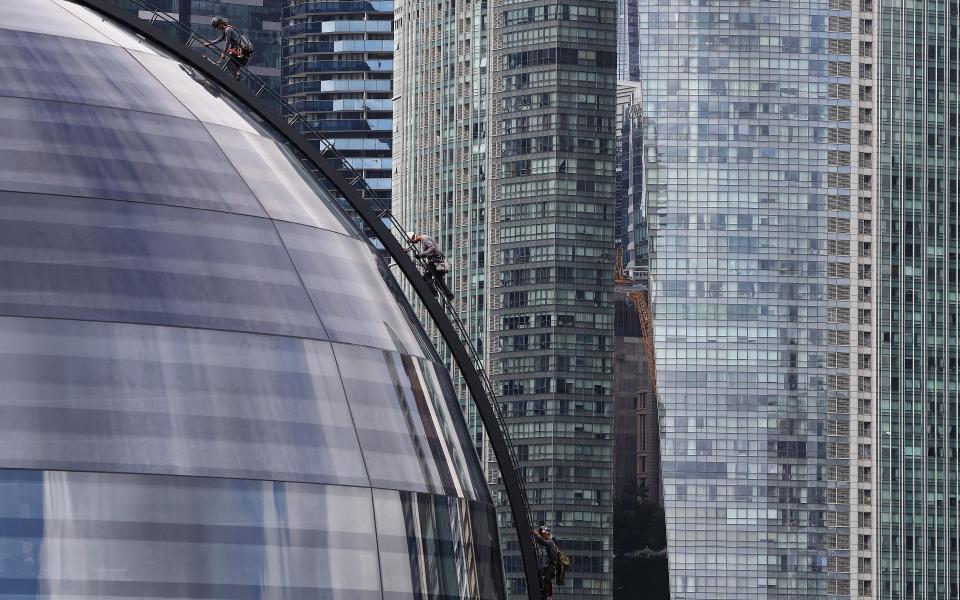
(81, 258)
(436, 385)
(75, 150)
(58, 68)
(354, 301)
(92, 535)
(204, 100)
(118, 397)
(116, 34)
(396, 424)
(43, 16)
(437, 547)
(277, 183)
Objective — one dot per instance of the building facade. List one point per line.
(212, 386)
(636, 424)
(337, 72)
(440, 153)
(918, 475)
(516, 182)
(550, 223)
(631, 221)
(758, 133)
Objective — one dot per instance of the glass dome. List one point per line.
(211, 386)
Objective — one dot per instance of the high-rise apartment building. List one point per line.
(516, 181)
(257, 19)
(550, 222)
(918, 479)
(440, 152)
(338, 64)
(758, 135)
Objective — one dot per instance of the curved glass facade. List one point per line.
(212, 386)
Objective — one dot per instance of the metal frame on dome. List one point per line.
(489, 413)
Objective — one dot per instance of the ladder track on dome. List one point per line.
(327, 150)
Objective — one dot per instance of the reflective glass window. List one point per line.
(462, 458)
(118, 397)
(115, 33)
(49, 67)
(205, 100)
(92, 535)
(77, 150)
(396, 423)
(281, 187)
(437, 547)
(96, 259)
(343, 278)
(44, 16)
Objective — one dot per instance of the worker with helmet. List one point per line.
(436, 265)
(238, 47)
(557, 561)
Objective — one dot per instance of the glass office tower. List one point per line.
(919, 418)
(758, 125)
(211, 385)
(504, 152)
(338, 65)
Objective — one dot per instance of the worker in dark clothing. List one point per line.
(234, 46)
(436, 265)
(544, 538)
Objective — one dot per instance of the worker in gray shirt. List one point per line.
(236, 46)
(436, 267)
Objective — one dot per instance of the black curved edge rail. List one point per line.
(510, 479)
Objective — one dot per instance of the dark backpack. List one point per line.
(246, 46)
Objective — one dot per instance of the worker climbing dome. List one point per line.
(211, 386)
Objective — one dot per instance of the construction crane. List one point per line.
(641, 303)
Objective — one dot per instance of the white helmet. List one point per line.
(412, 236)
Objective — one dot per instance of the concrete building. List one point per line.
(636, 424)
(526, 211)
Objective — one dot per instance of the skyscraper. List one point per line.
(531, 236)
(919, 409)
(337, 69)
(440, 151)
(758, 124)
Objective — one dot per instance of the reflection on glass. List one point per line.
(47, 67)
(44, 16)
(93, 535)
(96, 259)
(350, 294)
(201, 97)
(115, 33)
(77, 150)
(115, 397)
(281, 188)
(397, 424)
(437, 547)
